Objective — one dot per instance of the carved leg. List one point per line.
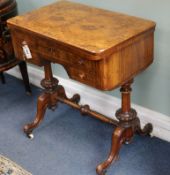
(42, 105)
(45, 100)
(118, 137)
(49, 99)
(61, 92)
(127, 126)
(148, 128)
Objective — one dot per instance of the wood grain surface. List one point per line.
(99, 48)
(90, 29)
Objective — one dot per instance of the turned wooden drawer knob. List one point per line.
(51, 50)
(81, 75)
(81, 61)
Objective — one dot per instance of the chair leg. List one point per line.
(2, 77)
(24, 73)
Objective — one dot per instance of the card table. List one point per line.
(100, 48)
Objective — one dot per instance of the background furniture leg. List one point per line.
(24, 73)
(2, 77)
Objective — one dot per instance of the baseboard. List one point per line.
(103, 103)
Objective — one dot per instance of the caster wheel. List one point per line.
(53, 108)
(30, 136)
(127, 142)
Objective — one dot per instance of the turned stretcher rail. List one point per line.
(85, 109)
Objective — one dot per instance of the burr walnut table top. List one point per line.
(90, 29)
(97, 47)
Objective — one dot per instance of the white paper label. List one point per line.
(27, 52)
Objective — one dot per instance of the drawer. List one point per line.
(47, 49)
(92, 78)
(51, 51)
(21, 38)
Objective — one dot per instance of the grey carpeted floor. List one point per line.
(67, 143)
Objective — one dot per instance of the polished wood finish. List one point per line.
(8, 9)
(7, 5)
(94, 40)
(99, 48)
(80, 26)
(128, 125)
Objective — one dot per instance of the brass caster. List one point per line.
(127, 142)
(53, 108)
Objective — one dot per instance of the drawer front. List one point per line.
(21, 39)
(93, 79)
(78, 68)
(47, 49)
